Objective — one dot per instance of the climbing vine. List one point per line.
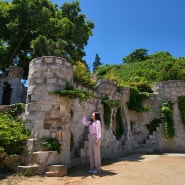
(181, 106)
(119, 124)
(72, 92)
(136, 100)
(167, 118)
(108, 104)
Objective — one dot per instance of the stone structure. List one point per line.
(11, 89)
(61, 118)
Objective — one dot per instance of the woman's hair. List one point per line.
(97, 116)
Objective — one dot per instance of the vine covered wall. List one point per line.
(50, 115)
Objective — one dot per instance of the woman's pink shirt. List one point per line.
(94, 127)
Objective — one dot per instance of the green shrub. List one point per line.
(13, 135)
(72, 93)
(153, 124)
(51, 144)
(136, 100)
(16, 109)
(82, 75)
(142, 86)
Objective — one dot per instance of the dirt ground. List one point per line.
(166, 169)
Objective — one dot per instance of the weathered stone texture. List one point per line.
(61, 117)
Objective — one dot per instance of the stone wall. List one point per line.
(17, 91)
(164, 91)
(61, 117)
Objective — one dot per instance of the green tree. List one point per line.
(25, 20)
(136, 56)
(81, 74)
(160, 66)
(97, 62)
(22, 21)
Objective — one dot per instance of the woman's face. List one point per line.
(93, 116)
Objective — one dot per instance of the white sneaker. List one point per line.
(91, 171)
(94, 171)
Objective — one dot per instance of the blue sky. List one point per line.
(121, 26)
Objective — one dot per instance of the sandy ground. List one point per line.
(166, 169)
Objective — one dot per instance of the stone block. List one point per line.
(28, 170)
(46, 157)
(60, 170)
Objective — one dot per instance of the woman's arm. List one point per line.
(85, 122)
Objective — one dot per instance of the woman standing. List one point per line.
(94, 137)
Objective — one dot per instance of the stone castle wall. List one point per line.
(18, 91)
(61, 117)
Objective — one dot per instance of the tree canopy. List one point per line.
(160, 66)
(23, 21)
(136, 56)
(97, 62)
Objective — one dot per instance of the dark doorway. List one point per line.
(6, 100)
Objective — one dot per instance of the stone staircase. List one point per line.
(37, 162)
(150, 144)
(81, 155)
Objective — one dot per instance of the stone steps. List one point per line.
(149, 145)
(29, 170)
(38, 162)
(81, 155)
(56, 170)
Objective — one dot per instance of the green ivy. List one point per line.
(119, 124)
(51, 144)
(107, 115)
(13, 135)
(136, 100)
(72, 93)
(167, 118)
(108, 104)
(16, 109)
(153, 124)
(181, 106)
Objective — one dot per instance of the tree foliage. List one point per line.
(160, 66)
(97, 62)
(23, 21)
(82, 75)
(136, 56)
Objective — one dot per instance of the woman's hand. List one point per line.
(84, 112)
(97, 142)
